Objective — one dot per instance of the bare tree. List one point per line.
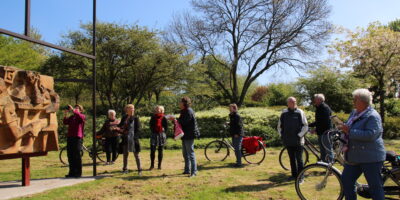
(253, 36)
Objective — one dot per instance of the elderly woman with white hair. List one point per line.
(366, 152)
(110, 133)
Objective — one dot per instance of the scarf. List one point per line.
(349, 123)
(158, 126)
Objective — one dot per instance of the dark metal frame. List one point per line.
(27, 37)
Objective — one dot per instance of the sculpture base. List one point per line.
(26, 174)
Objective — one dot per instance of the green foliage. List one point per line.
(335, 85)
(395, 25)
(132, 64)
(374, 55)
(279, 92)
(393, 107)
(21, 54)
(391, 128)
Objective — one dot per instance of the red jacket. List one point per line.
(76, 124)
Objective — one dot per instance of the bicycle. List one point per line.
(218, 150)
(284, 160)
(100, 153)
(324, 180)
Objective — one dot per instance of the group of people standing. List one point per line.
(364, 152)
(129, 130)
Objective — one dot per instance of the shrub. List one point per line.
(392, 107)
(391, 128)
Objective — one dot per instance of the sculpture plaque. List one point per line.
(28, 106)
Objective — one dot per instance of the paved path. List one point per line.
(13, 189)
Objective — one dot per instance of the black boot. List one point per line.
(160, 156)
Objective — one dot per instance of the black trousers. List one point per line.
(74, 147)
(296, 159)
(111, 147)
(153, 154)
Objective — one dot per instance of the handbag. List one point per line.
(178, 132)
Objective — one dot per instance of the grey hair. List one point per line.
(111, 111)
(320, 96)
(364, 95)
(291, 98)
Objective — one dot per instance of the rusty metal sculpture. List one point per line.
(28, 105)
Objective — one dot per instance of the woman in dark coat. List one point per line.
(130, 129)
(109, 132)
(158, 127)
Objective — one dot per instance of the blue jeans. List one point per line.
(372, 172)
(188, 155)
(325, 147)
(237, 144)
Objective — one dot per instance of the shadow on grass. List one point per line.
(208, 166)
(276, 181)
(136, 177)
(279, 178)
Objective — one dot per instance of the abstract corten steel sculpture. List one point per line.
(28, 106)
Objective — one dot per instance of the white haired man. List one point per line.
(322, 124)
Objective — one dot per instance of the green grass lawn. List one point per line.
(216, 180)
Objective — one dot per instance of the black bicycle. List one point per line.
(284, 160)
(100, 153)
(324, 180)
(219, 150)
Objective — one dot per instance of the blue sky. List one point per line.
(55, 17)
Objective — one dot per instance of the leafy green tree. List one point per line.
(337, 87)
(132, 62)
(279, 92)
(395, 25)
(252, 36)
(21, 54)
(374, 54)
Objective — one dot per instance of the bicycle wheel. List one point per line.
(319, 181)
(216, 151)
(255, 158)
(63, 156)
(284, 160)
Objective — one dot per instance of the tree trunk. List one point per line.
(382, 104)
(381, 92)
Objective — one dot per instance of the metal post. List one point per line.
(27, 17)
(94, 88)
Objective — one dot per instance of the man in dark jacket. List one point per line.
(322, 124)
(187, 120)
(236, 131)
(292, 126)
